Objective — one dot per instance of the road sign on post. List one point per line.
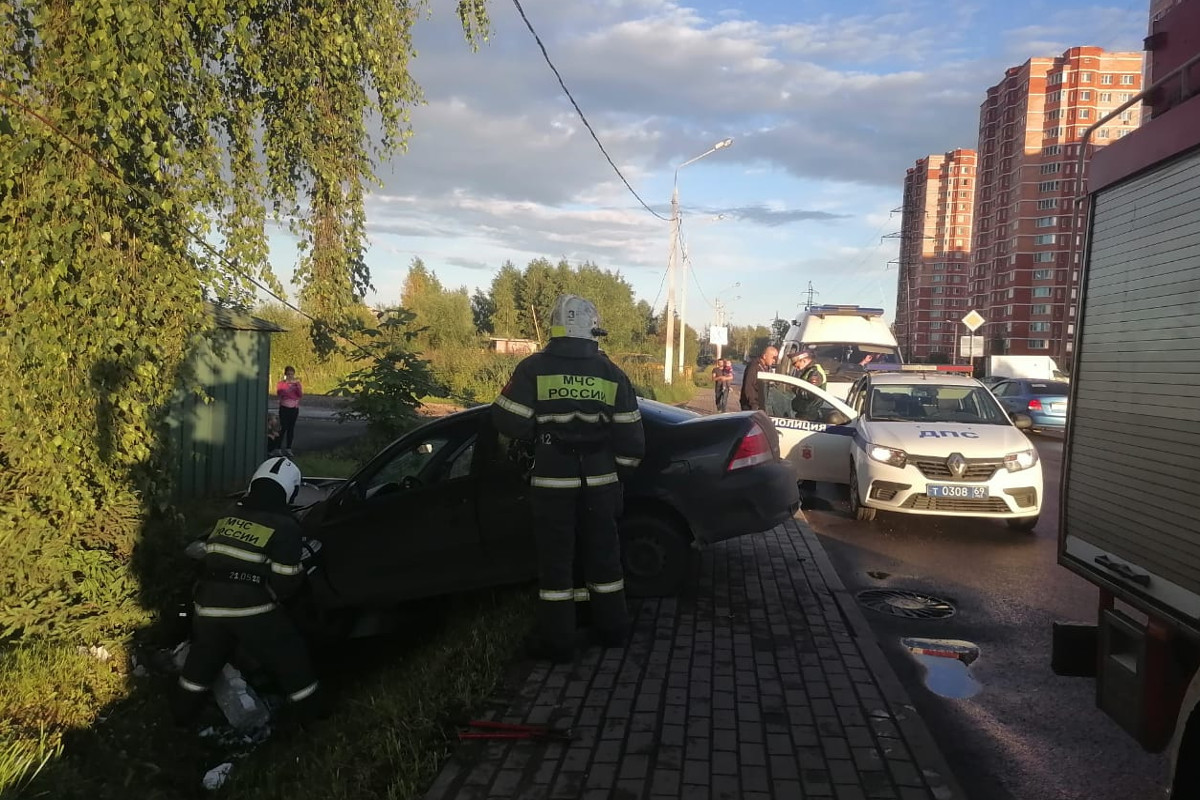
(967, 345)
(718, 335)
(973, 320)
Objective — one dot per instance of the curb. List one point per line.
(927, 754)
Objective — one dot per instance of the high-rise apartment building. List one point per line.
(1028, 236)
(935, 255)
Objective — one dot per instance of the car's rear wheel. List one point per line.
(654, 554)
(1026, 524)
(860, 512)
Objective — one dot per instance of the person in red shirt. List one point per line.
(289, 392)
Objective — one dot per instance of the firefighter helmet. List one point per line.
(281, 471)
(575, 318)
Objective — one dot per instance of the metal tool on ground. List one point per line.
(488, 729)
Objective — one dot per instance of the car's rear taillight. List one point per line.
(754, 448)
(1035, 405)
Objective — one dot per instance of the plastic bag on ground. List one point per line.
(215, 778)
(240, 704)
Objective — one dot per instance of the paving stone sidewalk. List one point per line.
(762, 681)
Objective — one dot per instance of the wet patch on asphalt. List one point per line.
(947, 665)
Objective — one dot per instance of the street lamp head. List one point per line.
(721, 145)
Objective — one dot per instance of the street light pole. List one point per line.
(672, 260)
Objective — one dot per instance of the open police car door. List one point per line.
(815, 428)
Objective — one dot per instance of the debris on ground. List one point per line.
(98, 653)
(240, 704)
(215, 778)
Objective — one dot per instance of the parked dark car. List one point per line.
(445, 508)
(1044, 401)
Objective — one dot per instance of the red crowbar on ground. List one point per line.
(487, 729)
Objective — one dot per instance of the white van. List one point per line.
(843, 339)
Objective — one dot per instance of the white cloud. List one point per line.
(826, 110)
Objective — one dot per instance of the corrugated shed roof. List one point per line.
(237, 320)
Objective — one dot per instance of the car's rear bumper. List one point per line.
(1052, 421)
(748, 501)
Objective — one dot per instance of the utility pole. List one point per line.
(720, 322)
(683, 279)
(669, 361)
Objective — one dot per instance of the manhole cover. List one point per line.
(902, 603)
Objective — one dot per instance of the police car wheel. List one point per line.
(1026, 524)
(861, 512)
(654, 556)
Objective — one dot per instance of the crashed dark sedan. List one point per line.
(445, 508)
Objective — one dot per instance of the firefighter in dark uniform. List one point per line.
(581, 413)
(252, 561)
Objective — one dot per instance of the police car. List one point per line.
(914, 439)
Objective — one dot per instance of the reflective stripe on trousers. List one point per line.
(248, 611)
(576, 595)
(573, 483)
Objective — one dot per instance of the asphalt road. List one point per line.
(317, 430)
(1026, 734)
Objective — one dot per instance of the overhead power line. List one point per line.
(579, 111)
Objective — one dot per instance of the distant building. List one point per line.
(932, 292)
(514, 347)
(1027, 237)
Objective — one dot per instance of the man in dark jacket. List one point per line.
(581, 413)
(251, 562)
(751, 398)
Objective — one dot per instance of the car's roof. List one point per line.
(922, 378)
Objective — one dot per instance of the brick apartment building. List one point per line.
(935, 255)
(1027, 238)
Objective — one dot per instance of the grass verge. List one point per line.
(335, 464)
(46, 689)
(396, 703)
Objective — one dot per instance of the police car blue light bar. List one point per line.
(845, 311)
(919, 368)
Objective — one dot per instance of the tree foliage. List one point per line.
(387, 388)
(132, 134)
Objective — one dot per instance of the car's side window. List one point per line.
(1000, 389)
(460, 463)
(407, 465)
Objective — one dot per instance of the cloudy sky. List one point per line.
(827, 110)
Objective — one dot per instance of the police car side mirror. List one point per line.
(837, 418)
(1022, 421)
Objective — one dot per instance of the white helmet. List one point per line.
(575, 318)
(282, 471)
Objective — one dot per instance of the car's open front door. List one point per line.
(816, 430)
(406, 527)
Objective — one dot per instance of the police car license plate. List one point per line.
(957, 492)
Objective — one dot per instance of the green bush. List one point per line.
(703, 378)
(472, 373)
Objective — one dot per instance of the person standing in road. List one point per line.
(722, 375)
(751, 399)
(252, 560)
(289, 392)
(807, 369)
(581, 413)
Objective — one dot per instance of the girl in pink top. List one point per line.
(289, 392)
